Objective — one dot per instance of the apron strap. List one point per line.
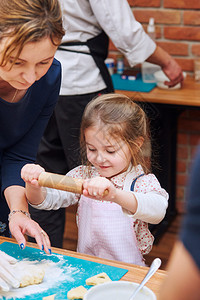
(134, 181)
(98, 47)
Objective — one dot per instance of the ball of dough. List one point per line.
(32, 275)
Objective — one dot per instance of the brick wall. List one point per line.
(178, 32)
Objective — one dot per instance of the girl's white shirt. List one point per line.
(151, 198)
(86, 19)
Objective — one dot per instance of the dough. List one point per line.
(97, 279)
(32, 275)
(77, 293)
(28, 273)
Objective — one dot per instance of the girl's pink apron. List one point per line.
(104, 231)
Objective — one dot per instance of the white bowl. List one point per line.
(118, 290)
(161, 78)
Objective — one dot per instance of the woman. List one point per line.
(30, 32)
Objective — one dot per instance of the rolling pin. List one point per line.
(62, 182)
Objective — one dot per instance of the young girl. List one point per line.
(112, 224)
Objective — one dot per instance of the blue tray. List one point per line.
(132, 85)
(76, 271)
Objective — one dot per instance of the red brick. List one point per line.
(144, 3)
(182, 33)
(161, 16)
(191, 17)
(182, 138)
(194, 139)
(181, 180)
(180, 206)
(195, 49)
(192, 4)
(180, 192)
(174, 48)
(190, 125)
(182, 152)
(181, 166)
(186, 64)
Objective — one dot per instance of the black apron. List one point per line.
(98, 47)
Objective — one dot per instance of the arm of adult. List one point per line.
(169, 66)
(129, 37)
(20, 224)
(34, 120)
(183, 280)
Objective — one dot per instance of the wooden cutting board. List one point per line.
(64, 273)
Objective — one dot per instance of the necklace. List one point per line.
(14, 96)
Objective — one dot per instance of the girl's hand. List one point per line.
(30, 173)
(99, 188)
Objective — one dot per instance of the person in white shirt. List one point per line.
(82, 53)
(111, 225)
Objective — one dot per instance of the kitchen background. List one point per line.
(178, 32)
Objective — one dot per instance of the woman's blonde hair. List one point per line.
(120, 117)
(25, 21)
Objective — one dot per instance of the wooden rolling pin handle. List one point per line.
(61, 182)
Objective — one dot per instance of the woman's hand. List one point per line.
(99, 188)
(20, 225)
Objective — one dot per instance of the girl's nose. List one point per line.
(100, 158)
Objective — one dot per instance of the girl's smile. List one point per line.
(108, 155)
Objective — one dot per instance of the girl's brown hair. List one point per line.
(123, 119)
(25, 21)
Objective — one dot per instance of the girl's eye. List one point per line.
(91, 149)
(111, 151)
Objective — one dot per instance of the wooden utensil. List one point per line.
(62, 182)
